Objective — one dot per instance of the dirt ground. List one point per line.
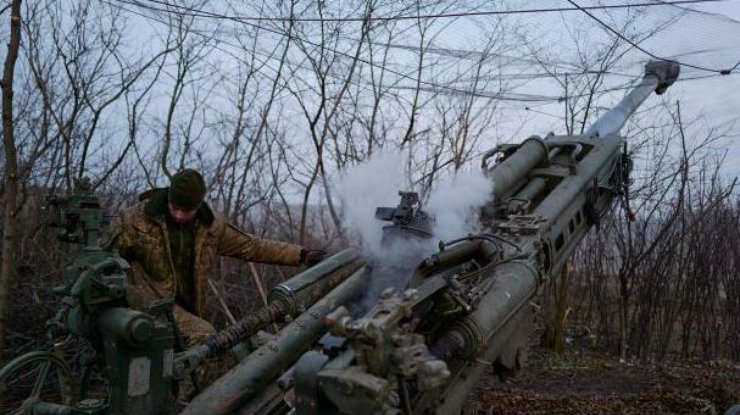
(591, 383)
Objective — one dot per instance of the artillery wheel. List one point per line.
(31, 371)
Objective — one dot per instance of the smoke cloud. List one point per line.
(453, 202)
(364, 187)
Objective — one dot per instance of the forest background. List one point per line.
(274, 101)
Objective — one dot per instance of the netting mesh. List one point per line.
(536, 42)
(522, 40)
(399, 70)
(508, 51)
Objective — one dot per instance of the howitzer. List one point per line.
(469, 307)
(465, 309)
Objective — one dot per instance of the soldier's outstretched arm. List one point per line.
(236, 243)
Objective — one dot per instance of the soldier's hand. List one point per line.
(311, 257)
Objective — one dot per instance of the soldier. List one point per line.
(171, 240)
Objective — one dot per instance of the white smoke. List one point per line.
(454, 203)
(366, 186)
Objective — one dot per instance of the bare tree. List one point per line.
(10, 194)
(323, 58)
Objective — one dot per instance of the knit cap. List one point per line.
(187, 189)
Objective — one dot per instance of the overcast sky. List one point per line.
(719, 98)
(715, 37)
(716, 98)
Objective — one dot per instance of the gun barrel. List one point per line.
(659, 75)
(516, 283)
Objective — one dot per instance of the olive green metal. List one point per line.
(445, 259)
(299, 292)
(307, 392)
(271, 400)
(139, 352)
(46, 408)
(91, 406)
(420, 351)
(84, 407)
(472, 300)
(583, 195)
(133, 328)
(288, 299)
(93, 281)
(79, 215)
(659, 75)
(136, 348)
(521, 202)
(505, 348)
(266, 363)
(516, 282)
(513, 170)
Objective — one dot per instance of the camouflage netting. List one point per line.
(510, 62)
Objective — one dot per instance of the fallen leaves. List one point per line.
(578, 383)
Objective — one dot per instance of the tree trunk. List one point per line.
(623, 317)
(553, 337)
(561, 306)
(7, 267)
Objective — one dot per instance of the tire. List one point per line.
(31, 373)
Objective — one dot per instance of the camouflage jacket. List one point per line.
(140, 236)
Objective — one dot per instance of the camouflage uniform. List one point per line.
(141, 236)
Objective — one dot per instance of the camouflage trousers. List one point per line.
(195, 330)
